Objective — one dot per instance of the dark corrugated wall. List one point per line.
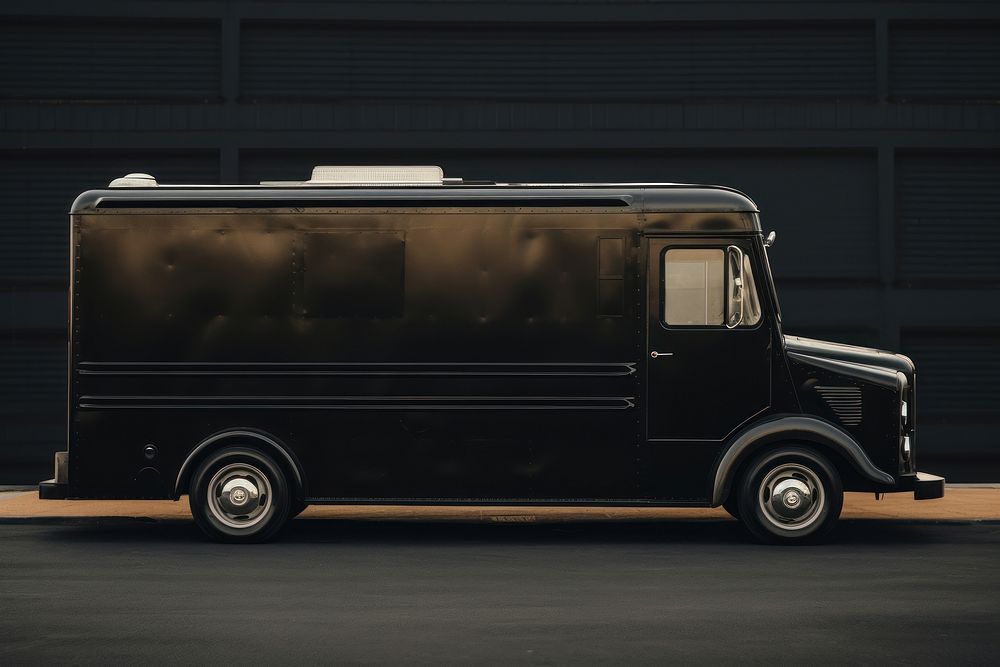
(866, 131)
(552, 61)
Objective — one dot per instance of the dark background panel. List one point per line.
(957, 374)
(32, 403)
(606, 61)
(868, 133)
(948, 207)
(108, 59)
(959, 60)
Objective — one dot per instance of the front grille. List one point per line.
(845, 403)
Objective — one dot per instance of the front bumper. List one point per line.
(924, 485)
(50, 489)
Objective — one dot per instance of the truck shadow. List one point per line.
(442, 533)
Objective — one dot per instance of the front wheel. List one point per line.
(791, 495)
(239, 494)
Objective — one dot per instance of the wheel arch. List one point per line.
(242, 436)
(792, 428)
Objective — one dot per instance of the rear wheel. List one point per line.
(239, 494)
(791, 495)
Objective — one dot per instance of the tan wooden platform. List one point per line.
(961, 504)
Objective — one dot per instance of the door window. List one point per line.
(694, 286)
(699, 290)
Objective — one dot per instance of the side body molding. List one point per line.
(243, 436)
(792, 427)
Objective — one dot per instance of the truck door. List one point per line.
(707, 351)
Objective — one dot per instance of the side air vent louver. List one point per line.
(845, 403)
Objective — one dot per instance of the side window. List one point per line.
(694, 282)
(700, 291)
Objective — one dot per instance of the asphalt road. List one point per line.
(697, 592)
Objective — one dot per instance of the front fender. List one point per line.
(791, 428)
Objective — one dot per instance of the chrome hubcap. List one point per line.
(791, 497)
(239, 495)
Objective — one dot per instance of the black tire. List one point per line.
(252, 478)
(732, 504)
(785, 517)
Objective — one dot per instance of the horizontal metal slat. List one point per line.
(333, 60)
(109, 59)
(947, 208)
(945, 60)
(956, 373)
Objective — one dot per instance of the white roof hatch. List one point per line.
(381, 175)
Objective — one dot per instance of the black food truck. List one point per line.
(387, 335)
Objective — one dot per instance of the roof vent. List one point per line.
(361, 175)
(133, 181)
